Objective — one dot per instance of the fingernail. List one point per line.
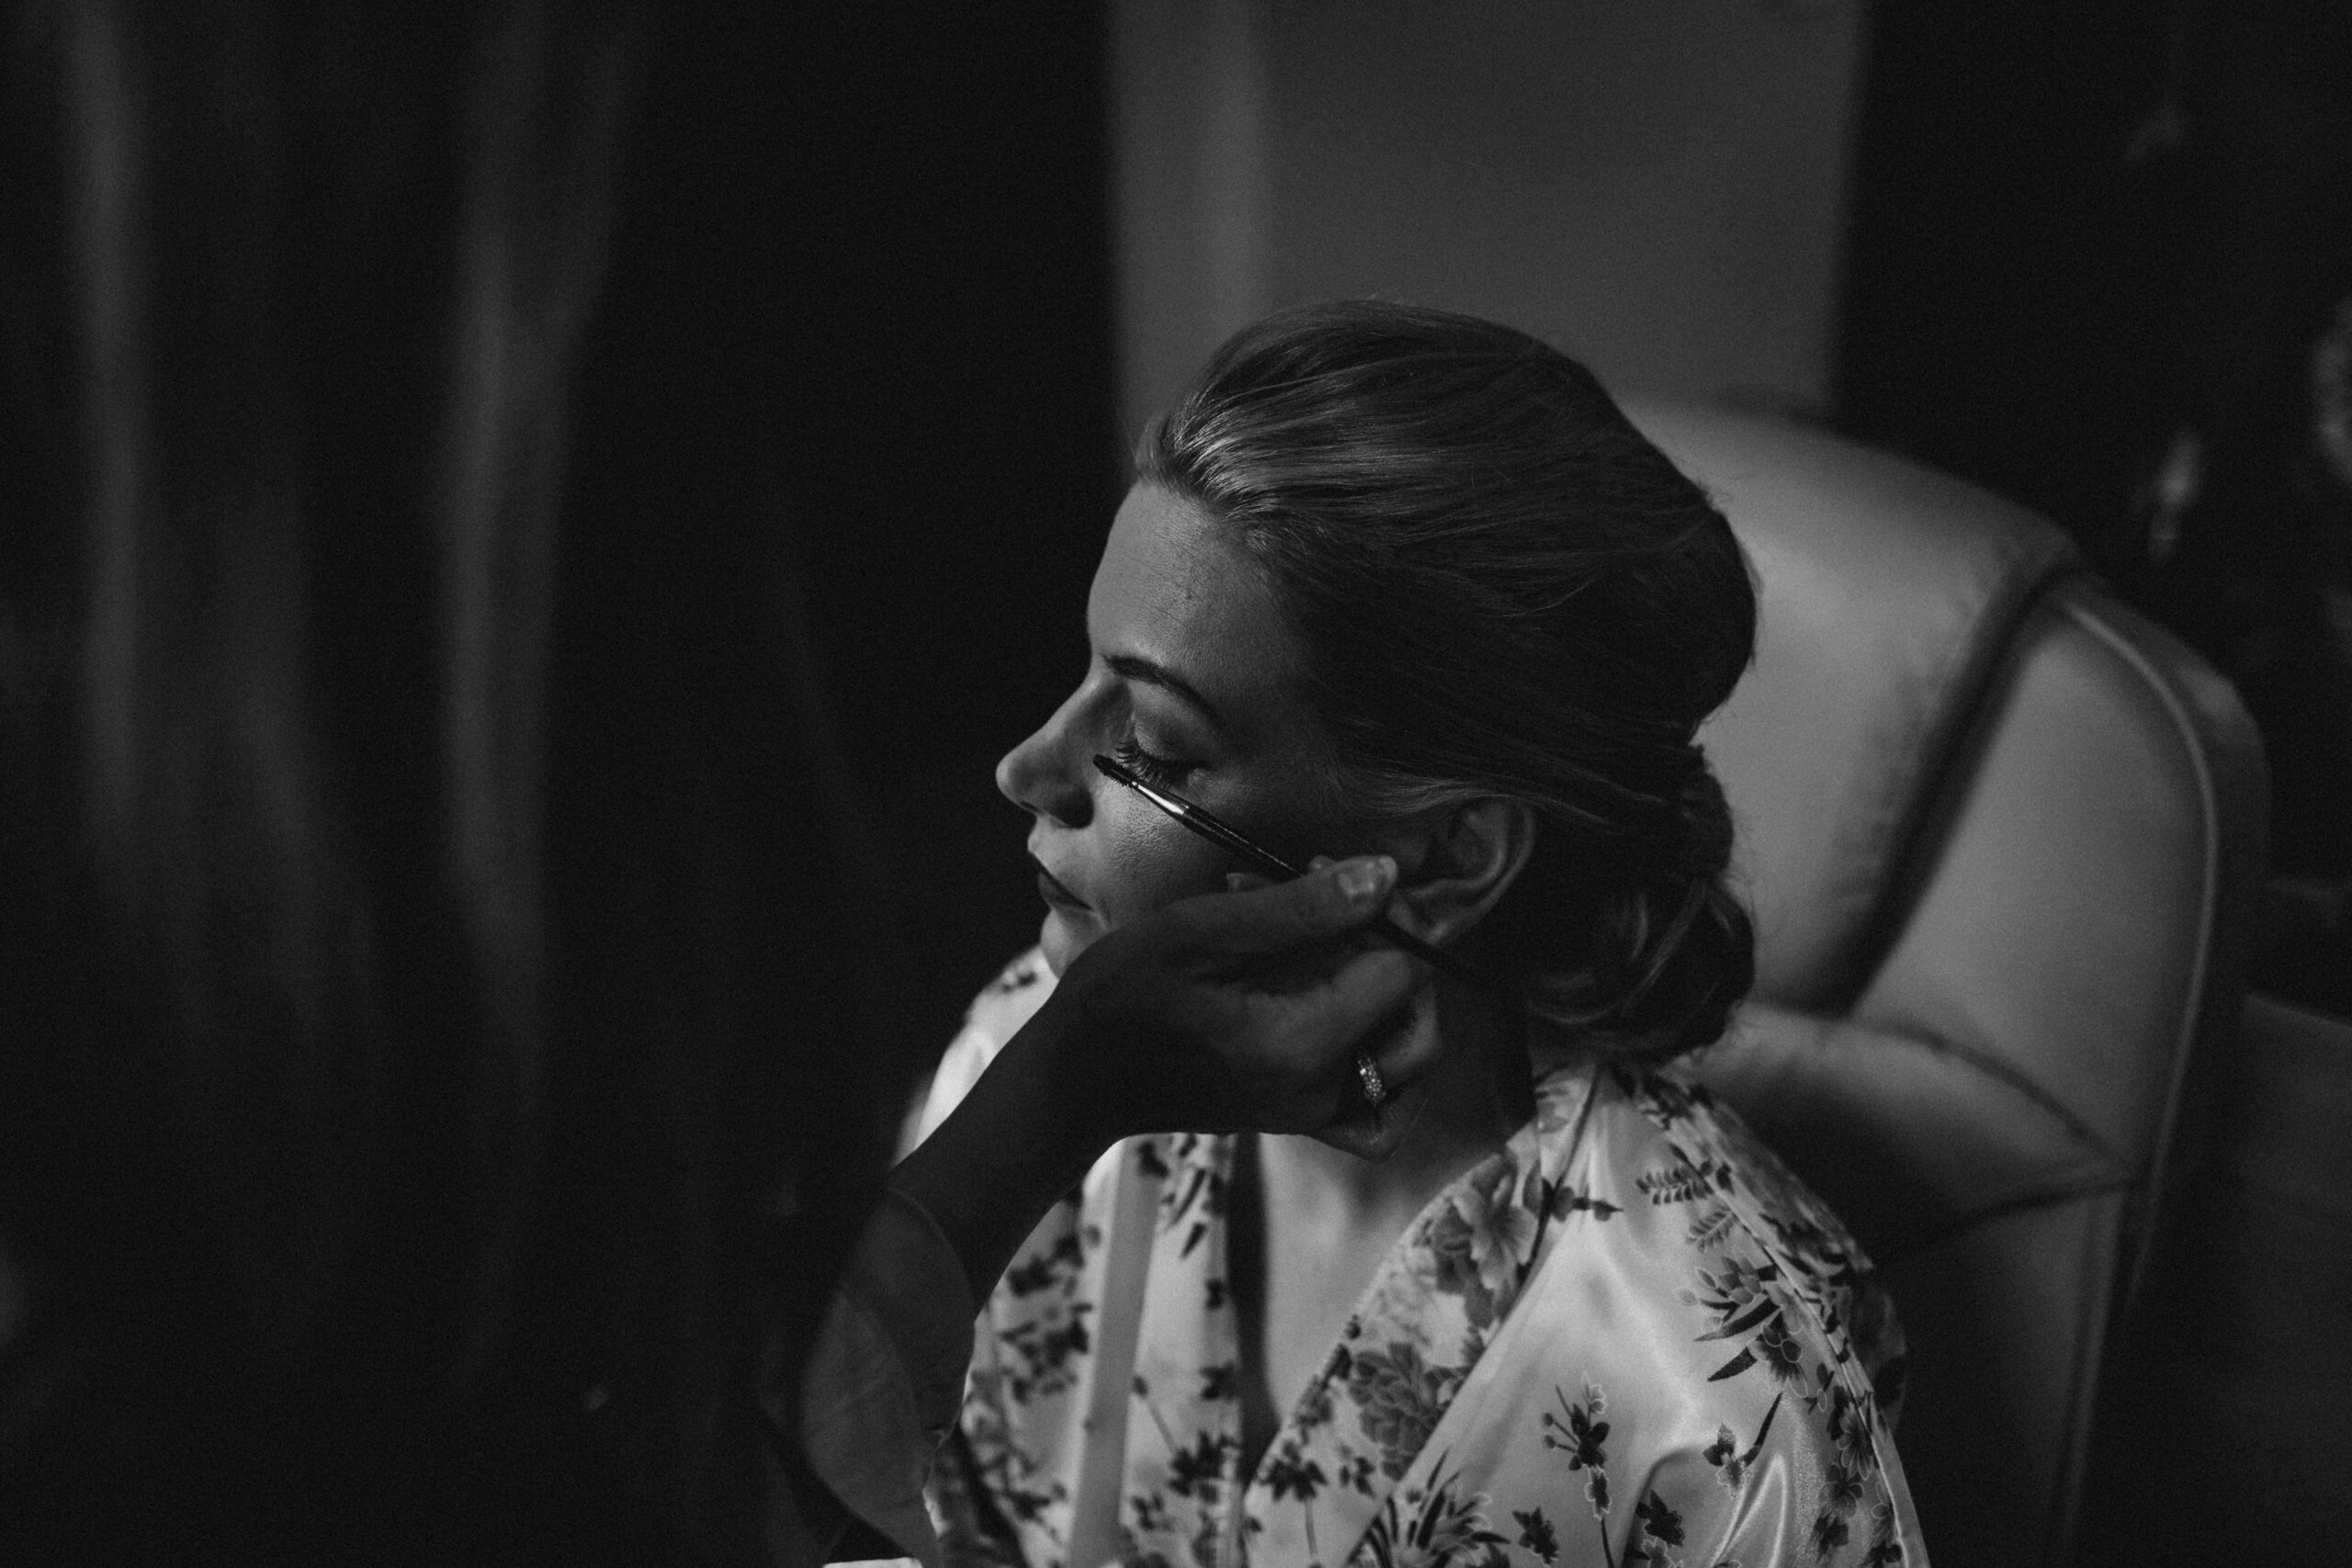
(1365, 878)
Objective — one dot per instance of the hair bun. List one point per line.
(1671, 947)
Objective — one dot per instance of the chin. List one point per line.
(1063, 937)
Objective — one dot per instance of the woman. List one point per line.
(1392, 579)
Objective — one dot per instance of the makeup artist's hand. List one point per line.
(1403, 1046)
(1219, 1013)
(1243, 1011)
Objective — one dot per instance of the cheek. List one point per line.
(1149, 861)
(1142, 861)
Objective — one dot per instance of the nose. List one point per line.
(1042, 774)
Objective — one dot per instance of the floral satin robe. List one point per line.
(1630, 1338)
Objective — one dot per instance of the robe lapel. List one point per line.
(1419, 1328)
(1041, 1363)
(1183, 1438)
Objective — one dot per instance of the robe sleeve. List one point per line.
(1801, 1470)
(1802, 1497)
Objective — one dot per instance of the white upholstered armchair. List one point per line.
(2002, 837)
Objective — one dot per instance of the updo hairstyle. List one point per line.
(1498, 587)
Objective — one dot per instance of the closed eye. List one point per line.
(1147, 766)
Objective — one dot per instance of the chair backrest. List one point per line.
(2001, 838)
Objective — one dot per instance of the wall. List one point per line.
(1654, 186)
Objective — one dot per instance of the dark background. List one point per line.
(892, 218)
(2092, 242)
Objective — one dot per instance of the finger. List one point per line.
(1410, 918)
(1350, 1009)
(1376, 1137)
(1321, 904)
(1402, 1049)
(1243, 881)
(1411, 1045)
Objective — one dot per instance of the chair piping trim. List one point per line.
(2009, 1074)
(2020, 1203)
(1974, 667)
(2084, 1392)
(2210, 819)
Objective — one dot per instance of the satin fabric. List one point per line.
(1630, 1337)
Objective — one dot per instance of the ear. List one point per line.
(1472, 854)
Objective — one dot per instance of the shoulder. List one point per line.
(995, 1015)
(1704, 1155)
(1701, 1294)
(1739, 1275)
(1673, 1146)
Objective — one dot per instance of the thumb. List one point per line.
(1327, 902)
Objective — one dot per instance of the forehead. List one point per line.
(1172, 589)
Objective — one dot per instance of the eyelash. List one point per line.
(1146, 766)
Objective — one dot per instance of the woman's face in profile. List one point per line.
(1188, 684)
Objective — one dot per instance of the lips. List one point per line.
(1053, 892)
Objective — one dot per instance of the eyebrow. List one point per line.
(1134, 667)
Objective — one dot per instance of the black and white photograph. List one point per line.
(1175, 784)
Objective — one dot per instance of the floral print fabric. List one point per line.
(1629, 1338)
